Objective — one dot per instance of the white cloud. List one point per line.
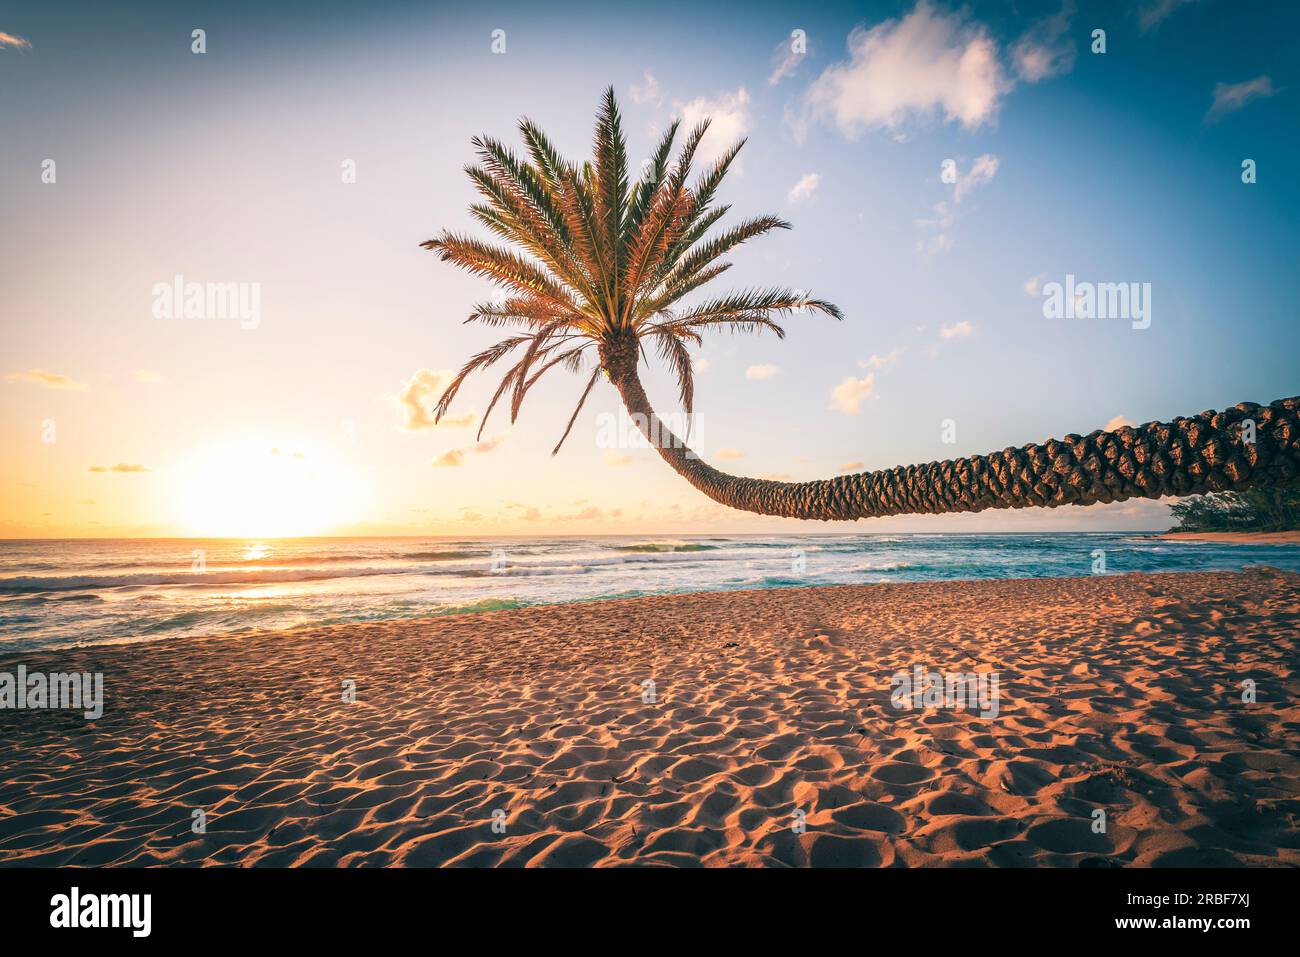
(617, 458)
(1117, 423)
(942, 217)
(588, 514)
(14, 41)
(852, 466)
(729, 113)
(47, 380)
(804, 189)
(419, 395)
(934, 245)
(958, 330)
(937, 227)
(1033, 284)
(848, 395)
(926, 64)
(760, 372)
(729, 453)
(128, 468)
(1230, 97)
(1045, 49)
(786, 59)
(149, 377)
(454, 458)
(647, 91)
(1154, 12)
(982, 170)
(881, 362)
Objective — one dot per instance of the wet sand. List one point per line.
(1235, 538)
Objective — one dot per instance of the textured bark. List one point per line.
(1188, 456)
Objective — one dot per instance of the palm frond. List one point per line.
(522, 311)
(708, 252)
(538, 349)
(673, 351)
(502, 267)
(758, 301)
(546, 158)
(574, 418)
(692, 235)
(741, 322)
(679, 289)
(571, 360)
(580, 217)
(611, 183)
(480, 361)
(708, 184)
(516, 216)
(498, 160)
(648, 187)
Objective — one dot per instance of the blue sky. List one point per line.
(225, 167)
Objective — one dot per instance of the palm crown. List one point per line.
(604, 263)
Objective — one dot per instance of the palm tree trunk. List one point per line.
(1204, 453)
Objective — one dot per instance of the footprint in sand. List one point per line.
(947, 803)
(897, 772)
(1069, 835)
(815, 638)
(957, 834)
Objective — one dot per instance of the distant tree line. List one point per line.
(1254, 510)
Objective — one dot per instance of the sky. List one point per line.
(942, 167)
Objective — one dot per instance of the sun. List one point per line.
(255, 488)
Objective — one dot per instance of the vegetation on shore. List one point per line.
(1252, 510)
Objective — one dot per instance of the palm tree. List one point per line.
(605, 265)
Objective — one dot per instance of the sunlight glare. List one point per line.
(260, 489)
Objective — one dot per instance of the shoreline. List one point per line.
(128, 591)
(1115, 692)
(1235, 538)
(426, 619)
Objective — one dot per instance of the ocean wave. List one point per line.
(665, 547)
(485, 604)
(441, 556)
(566, 568)
(182, 577)
(880, 567)
(27, 584)
(26, 599)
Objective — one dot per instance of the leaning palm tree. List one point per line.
(603, 265)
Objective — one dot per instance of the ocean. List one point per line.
(60, 593)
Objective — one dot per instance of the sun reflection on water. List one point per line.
(256, 551)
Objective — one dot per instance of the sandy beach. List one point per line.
(1235, 538)
(529, 737)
